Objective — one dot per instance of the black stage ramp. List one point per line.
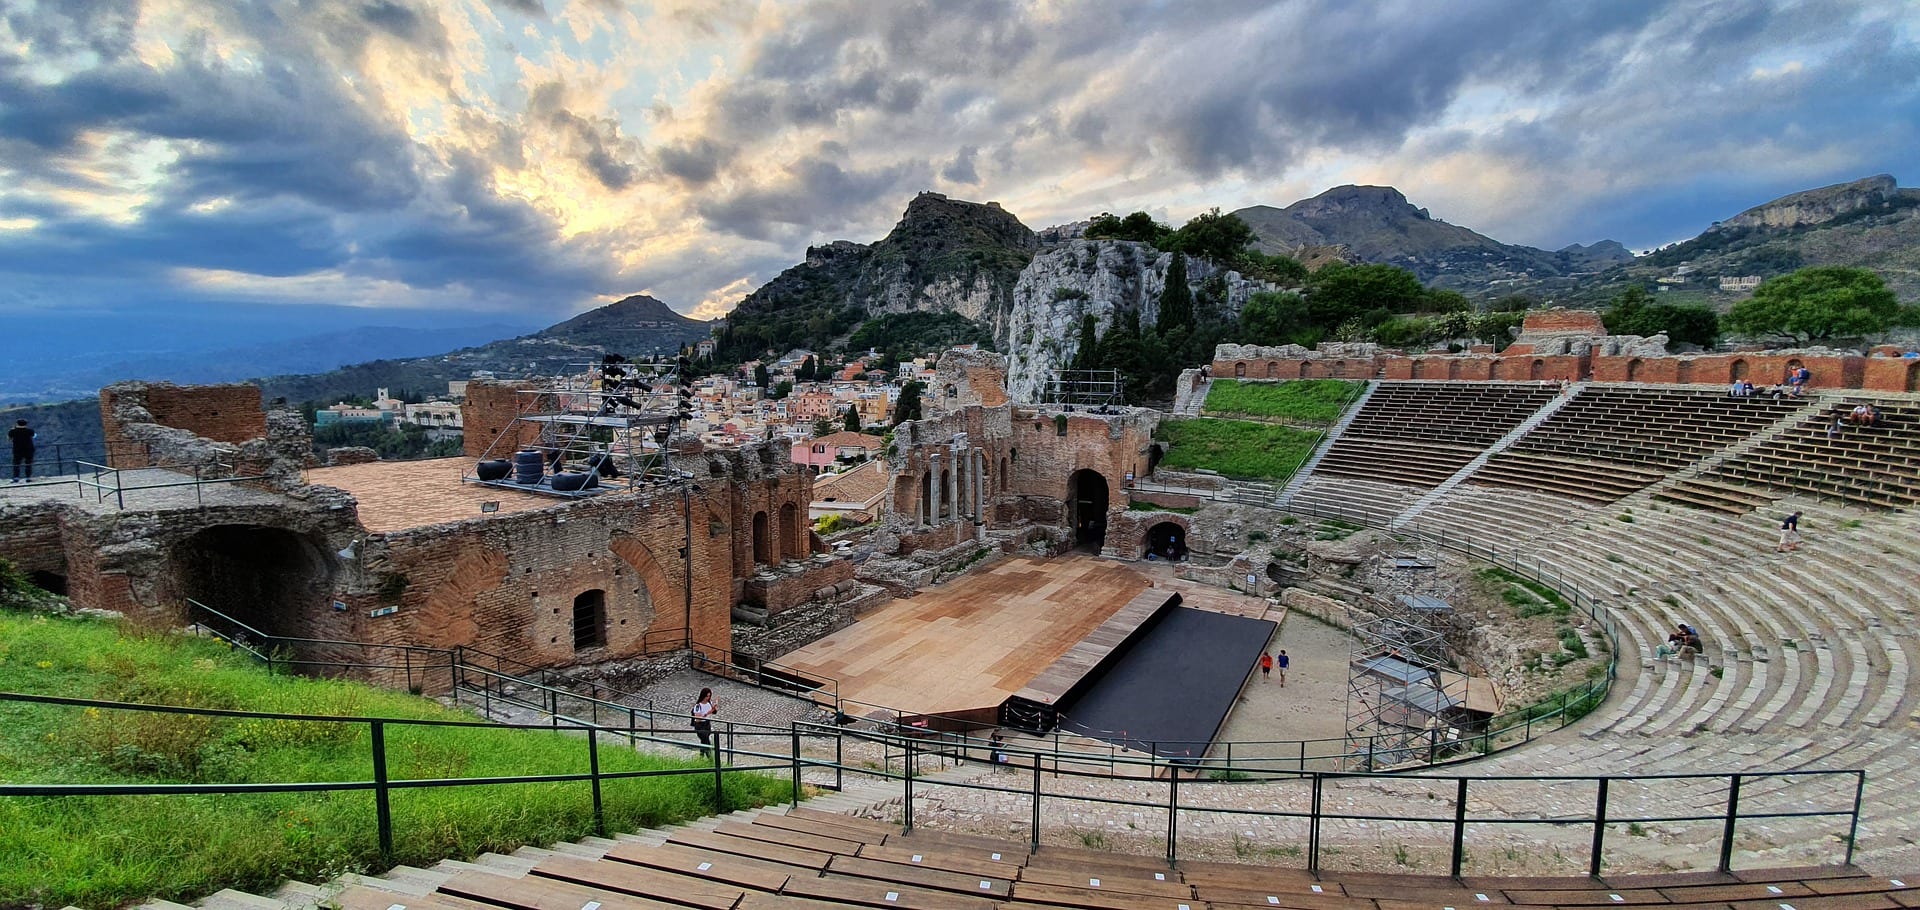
(1170, 689)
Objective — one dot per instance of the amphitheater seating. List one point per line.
(1610, 441)
(1421, 433)
(1876, 466)
(884, 867)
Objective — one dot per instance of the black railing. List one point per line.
(62, 460)
(724, 759)
(1710, 798)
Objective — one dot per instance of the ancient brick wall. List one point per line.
(220, 413)
(1127, 531)
(1891, 374)
(31, 538)
(1045, 458)
(795, 584)
(488, 412)
(1562, 322)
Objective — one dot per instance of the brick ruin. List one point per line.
(573, 582)
(570, 582)
(1573, 345)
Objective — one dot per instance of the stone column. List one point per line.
(953, 488)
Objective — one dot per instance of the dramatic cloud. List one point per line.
(541, 157)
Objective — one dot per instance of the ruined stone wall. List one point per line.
(964, 379)
(488, 412)
(31, 538)
(1046, 454)
(217, 413)
(1830, 369)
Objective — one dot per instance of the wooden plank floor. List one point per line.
(974, 641)
(397, 495)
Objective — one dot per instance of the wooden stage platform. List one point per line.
(971, 643)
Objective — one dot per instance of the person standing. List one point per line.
(703, 708)
(1790, 533)
(1266, 665)
(1285, 662)
(22, 438)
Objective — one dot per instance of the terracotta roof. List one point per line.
(850, 438)
(860, 485)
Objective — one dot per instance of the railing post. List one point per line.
(593, 771)
(1599, 829)
(839, 759)
(1733, 816)
(906, 774)
(1459, 826)
(1035, 841)
(719, 794)
(1853, 826)
(453, 674)
(1173, 811)
(382, 806)
(796, 763)
(1313, 825)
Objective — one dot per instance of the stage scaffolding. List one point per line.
(1398, 699)
(1093, 389)
(607, 426)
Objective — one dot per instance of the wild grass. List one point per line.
(104, 851)
(1236, 448)
(1314, 402)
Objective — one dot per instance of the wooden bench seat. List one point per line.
(784, 837)
(534, 892)
(821, 828)
(360, 897)
(1163, 883)
(921, 876)
(758, 849)
(868, 893)
(620, 878)
(1064, 896)
(746, 872)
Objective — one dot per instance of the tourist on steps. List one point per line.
(1790, 533)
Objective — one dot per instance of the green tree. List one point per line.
(1634, 312)
(822, 426)
(807, 370)
(1138, 226)
(907, 406)
(1272, 317)
(1176, 301)
(852, 419)
(761, 377)
(1088, 354)
(1338, 292)
(782, 389)
(1211, 235)
(1819, 304)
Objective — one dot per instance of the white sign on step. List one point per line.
(704, 866)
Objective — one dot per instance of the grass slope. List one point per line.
(1237, 448)
(1314, 402)
(110, 850)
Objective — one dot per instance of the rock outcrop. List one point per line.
(1818, 206)
(1103, 278)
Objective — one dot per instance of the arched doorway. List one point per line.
(1913, 376)
(1167, 540)
(926, 498)
(1539, 370)
(1633, 370)
(1273, 369)
(793, 538)
(50, 582)
(1737, 371)
(271, 579)
(762, 540)
(590, 620)
(1087, 509)
(945, 511)
(1240, 370)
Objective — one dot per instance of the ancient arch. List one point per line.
(793, 537)
(1240, 370)
(1273, 369)
(1087, 500)
(1913, 376)
(1453, 368)
(1167, 540)
(1302, 371)
(1538, 370)
(762, 539)
(1633, 370)
(590, 620)
(1737, 370)
(272, 579)
(926, 498)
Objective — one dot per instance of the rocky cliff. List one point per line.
(1100, 277)
(1818, 206)
(944, 256)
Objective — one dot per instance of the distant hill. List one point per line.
(944, 256)
(1378, 224)
(636, 325)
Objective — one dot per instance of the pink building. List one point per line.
(836, 449)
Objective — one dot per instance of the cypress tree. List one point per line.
(1176, 301)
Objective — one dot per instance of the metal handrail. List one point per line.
(725, 753)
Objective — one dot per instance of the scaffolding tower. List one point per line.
(1096, 389)
(604, 427)
(1398, 703)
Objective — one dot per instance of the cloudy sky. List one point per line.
(536, 157)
